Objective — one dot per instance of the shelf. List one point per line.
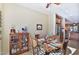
(19, 43)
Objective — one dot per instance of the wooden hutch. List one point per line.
(59, 27)
(18, 44)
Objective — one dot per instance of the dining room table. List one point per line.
(53, 46)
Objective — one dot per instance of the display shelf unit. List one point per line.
(18, 43)
(59, 27)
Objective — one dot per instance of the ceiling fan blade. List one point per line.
(48, 5)
(57, 3)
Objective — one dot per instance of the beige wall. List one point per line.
(14, 15)
(0, 34)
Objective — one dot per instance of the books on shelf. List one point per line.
(18, 42)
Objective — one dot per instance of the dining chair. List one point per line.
(37, 49)
(34, 46)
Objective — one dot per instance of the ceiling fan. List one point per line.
(48, 4)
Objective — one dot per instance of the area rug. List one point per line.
(70, 51)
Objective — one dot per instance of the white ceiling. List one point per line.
(70, 11)
(41, 7)
(67, 10)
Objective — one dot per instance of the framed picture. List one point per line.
(39, 26)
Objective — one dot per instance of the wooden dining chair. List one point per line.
(37, 49)
(34, 46)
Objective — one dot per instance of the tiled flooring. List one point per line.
(74, 42)
(67, 53)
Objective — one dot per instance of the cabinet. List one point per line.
(59, 27)
(19, 43)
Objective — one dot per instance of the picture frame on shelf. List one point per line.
(39, 26)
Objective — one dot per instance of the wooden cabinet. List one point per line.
(59, 27)
(58, 19)
(19, 43)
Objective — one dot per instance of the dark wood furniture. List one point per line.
(37, 36)
(18, 44)
(59, 27)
